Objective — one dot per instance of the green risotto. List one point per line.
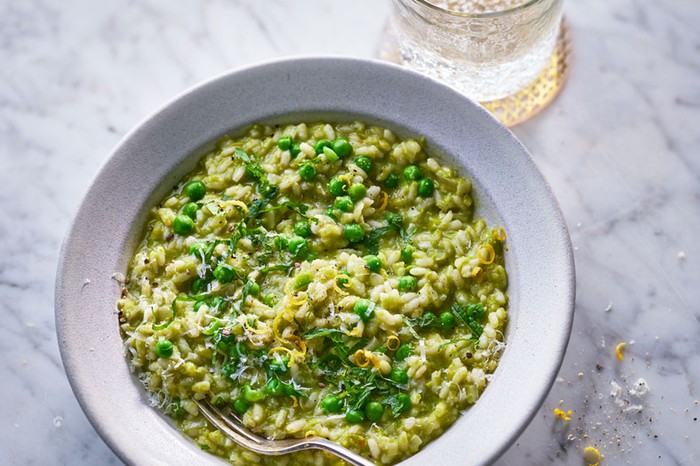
(317, 280)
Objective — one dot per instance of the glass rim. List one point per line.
(488, 14)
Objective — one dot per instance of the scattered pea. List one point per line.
(285, 142)
(307, 172)
(364, 309)
(357, 191)
(354, 416)
(406, 255)
(403, 352)
(270, 299)
(392, 181)
(331, 404)
(253, 289)
(338, 186)
(274, 387)
(342, 147)
(320, 145)
(399, 375)
(447, 321)
(241, 405)
(412, 173)
(365, 163)
(302, 228)
(373, 263)
(183, 225)
(190, 209)
(302, 281)
(374, 411)
(195, 190)
(343, 203)
(426, 187)
(295, 149)
(298, 246)
(224, 273)
(164, 348)
(354, 233)
(408, 283)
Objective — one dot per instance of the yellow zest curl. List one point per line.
(295, 403)
(285, 350)
(299, 299)
(618, 350)
(477, 273)
(393, 342)
(258, 331)
(356, 332)
(485, 253)
(564, 415)
(346, 178)
(310, 433)
(337, 287)
(361, 358)
(385, 201)
(499, 234)
(591, 456)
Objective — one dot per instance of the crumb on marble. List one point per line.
(58, 421)
(608, 308)
(681, 255)
(591, 456)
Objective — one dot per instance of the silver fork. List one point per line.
(234, 429)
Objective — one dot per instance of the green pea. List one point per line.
(354, 416)
(253, 289)
(342, 147)
(224, 273)
(302, 228)
(190, 209)
(447, 321)
(183, 225)
(270, 299)
(302, 281)
(408, 283)
(274, 387)
(241, 405)
(281, 366)
(331, 404)
(357, 191)
(338, 186)
(373, 263)
(365, 163)
(374, 411)
(320, 145)
(392, 181)
(399, 375)
(307, 172)
(298, 246)
(295, 149)
(364, 309)
(354, 233)
(164, 348)
(285, 142)
(406, 255)
(403, 352)
(330, 154)
(426, 187)
(343, 203)
(251, 395)
(412, 173)
(195, 190)
(404, 402)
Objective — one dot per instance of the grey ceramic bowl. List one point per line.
(150, 159)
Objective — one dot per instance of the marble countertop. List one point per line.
(620, 147)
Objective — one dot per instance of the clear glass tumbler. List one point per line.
(486, 49)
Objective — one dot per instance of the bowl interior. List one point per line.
(152, 158)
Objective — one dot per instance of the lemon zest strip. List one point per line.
(385, 200)
(393, 342)
(594, 451)
(485, 253)
(564, 415)
(618, 350)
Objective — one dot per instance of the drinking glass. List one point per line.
(489, 50)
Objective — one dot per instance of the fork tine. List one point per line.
(216, 421)
(236, 426)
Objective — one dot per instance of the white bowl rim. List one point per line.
(86, 293)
